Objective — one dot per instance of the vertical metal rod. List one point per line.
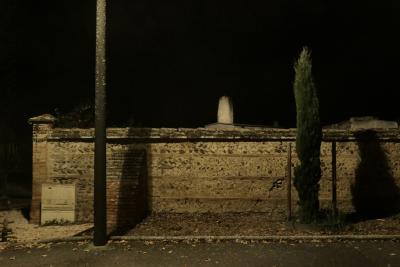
(289, 183)
(334, 201)
(100, 211)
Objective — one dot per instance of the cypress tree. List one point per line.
(308, 139)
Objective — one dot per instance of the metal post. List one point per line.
(289, 183)
(100, 224)
(334, 201)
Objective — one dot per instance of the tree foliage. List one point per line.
(82, 116)
(308, 139)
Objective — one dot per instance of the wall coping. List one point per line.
(210, 134)
(42, 119)
(234, 133)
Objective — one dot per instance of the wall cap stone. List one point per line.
(42, 119)
(211, 134)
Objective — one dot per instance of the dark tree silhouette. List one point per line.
(8, 103)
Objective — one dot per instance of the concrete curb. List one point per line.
(227, 238)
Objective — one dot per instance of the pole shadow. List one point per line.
(132, 201)
(374, 192)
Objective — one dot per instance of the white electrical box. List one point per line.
(58, 203)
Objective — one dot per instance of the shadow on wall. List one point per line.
(132, 200)
(374, 192)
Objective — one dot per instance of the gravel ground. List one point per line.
(30, 234)
(195, 224)
(252, 224)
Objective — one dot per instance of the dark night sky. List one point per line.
(170, 61)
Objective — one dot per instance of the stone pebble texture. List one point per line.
(207, 170)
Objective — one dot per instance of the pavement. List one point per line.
(201, 253)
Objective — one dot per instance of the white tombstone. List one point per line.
(225, 110)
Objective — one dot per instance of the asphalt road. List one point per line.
(140, 253)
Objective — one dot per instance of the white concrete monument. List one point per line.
(369, 122)
(225, 110)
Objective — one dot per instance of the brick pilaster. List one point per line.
(41, 128)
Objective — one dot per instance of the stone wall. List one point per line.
(199, 170)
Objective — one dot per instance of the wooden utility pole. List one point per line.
(100, 211)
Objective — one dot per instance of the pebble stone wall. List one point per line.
(193, 170)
